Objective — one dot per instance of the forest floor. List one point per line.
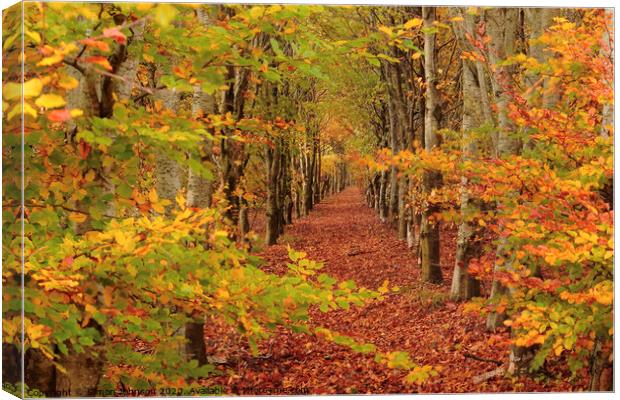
(348, 237)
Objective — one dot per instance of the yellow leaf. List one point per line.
(77, 217)
(32, 88)
(35, 332)
(457, 19)
(153, 197)
(33, 35)
(51, 60)
(12, 90)
(143, 6)
(417, 55)
(125, 240)
(50, 101)
(220, 234)
(180, 199)
(384, 287)
(386, 30)
(257, 11)
(76, 112)
(29, 110)
(413, 23)
(222, 293)
(68, 82)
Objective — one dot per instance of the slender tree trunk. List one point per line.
(464, 286)
(431, 269)
(382, 197)
(393, 197)
(309, 177)
(317, 190)
(272, 159)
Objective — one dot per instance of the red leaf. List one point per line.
(116, 34)
(59, 115)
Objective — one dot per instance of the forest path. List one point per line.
(348, 237)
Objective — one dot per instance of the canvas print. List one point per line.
(233, 199)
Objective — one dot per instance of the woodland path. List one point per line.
(348, 237)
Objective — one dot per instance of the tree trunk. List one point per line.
(382, 197)
(431, 269)
(601, 368)
(272, 160)
(464, 286)
(393, 197)
(84, 371)
(309, 177)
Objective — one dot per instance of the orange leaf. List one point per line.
(59, 115)
(98, 44)
(100, 61)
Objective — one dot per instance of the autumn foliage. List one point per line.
(148, 133)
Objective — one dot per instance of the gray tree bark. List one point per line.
(429, 235)
(464, 286)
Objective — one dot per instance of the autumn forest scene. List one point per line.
(230, 199)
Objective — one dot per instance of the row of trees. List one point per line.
(499, 120)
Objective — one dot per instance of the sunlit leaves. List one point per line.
(31, 88)
(68, 82)
(413, 23)
(50, 101)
